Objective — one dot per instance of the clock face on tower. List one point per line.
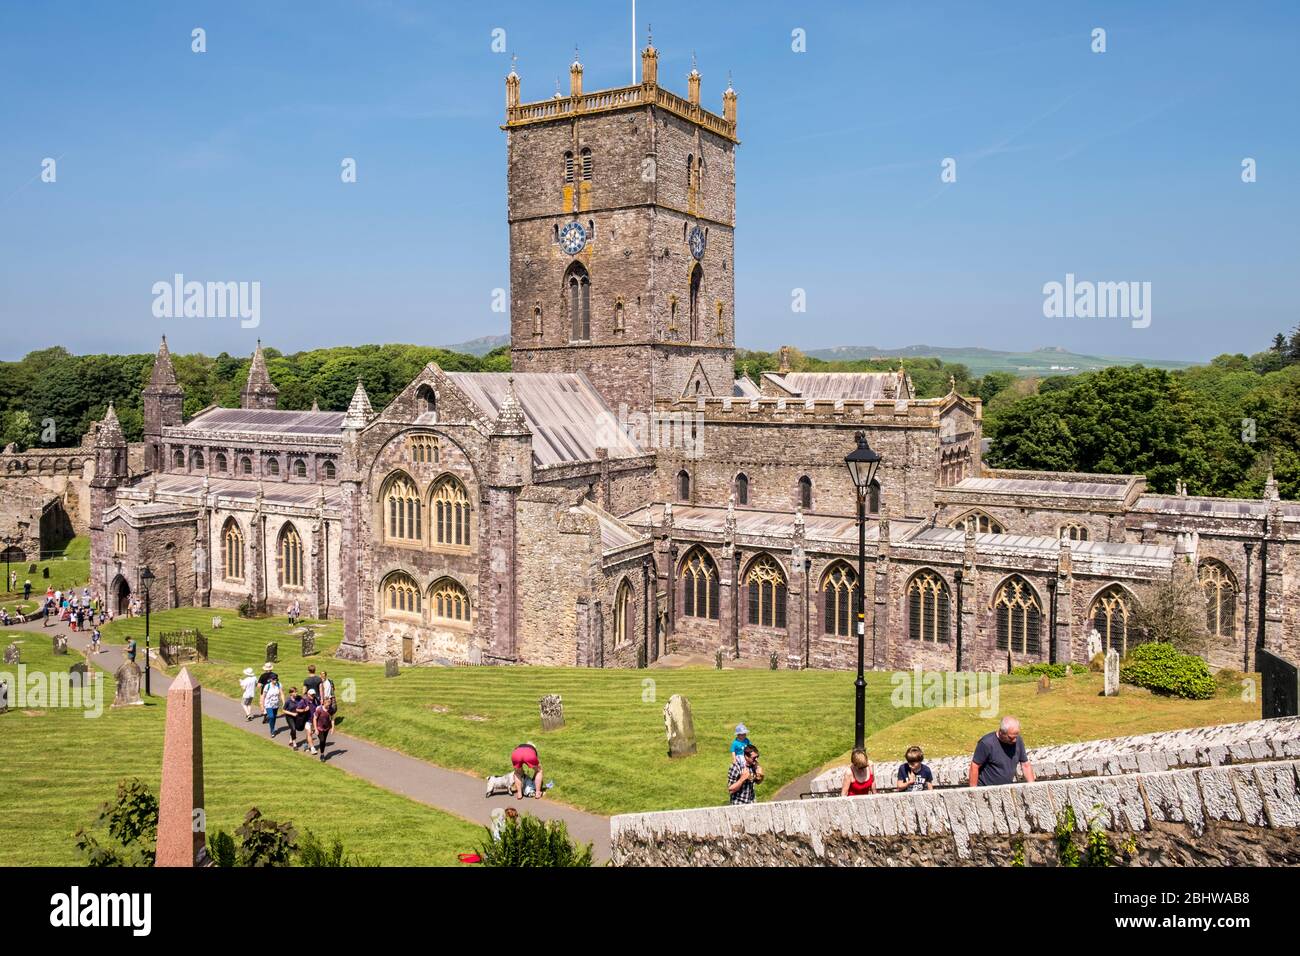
(697, 242)
(573, 238)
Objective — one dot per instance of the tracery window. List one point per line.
(839, 599)
(700, 585)
(448, 601)
(402, 502)
(1019, 617)
(928, 607)
(767, 593)
(451, 513)
(1220, 590)
(401, 595)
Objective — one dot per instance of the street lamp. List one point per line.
(9, 543)
(146, 582)
(862, 463)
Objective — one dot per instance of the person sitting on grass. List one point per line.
(860, 780)
(914, 774)
(525, 755)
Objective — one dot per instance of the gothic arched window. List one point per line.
(178, 459)
(1220, 590)
(684, 485)
(198, 459)
(1074, 531)
(232, 544)
(329, 471)
(623, 614)
(742, 487)
(401, 595)
(450, 513)
(767, 590)
(568, 166)
(1112, 612)
(839, 599)
(402, 503)
(299, 468)
(697, 279)
(805, 493)
(586, 163)
(928, 607)
(699, 585)
(290, 557)
(448, 601)
(272, 466)
(577, 290)
(983, 523)
(1019, 617)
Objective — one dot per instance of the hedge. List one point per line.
(1159, 667)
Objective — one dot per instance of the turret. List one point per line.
(162, 401)
(512, 444)
(575, 75)
(259, 391)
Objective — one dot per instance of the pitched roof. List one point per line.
(857, 386)
(270, 421)
(568, 418)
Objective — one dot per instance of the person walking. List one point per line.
(272, 697)
(293, 715)
(327, 694)
(95, 638)
(130, 649)
(267, 675)
(998, 755)
(27, 590)
(743, 775)
(324, 723)
(861, 779)
(312, 683)
(248, 689)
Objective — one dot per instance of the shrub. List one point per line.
(263, 842)
(313, 853)
(1053, 671)
(1159, 667)
(222, 849)
(527, 841)
(1066, 849)
(1098, 662)
(132, 821)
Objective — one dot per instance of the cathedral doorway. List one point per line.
(121, 592)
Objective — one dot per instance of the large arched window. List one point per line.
(805, 493)
(232, 546)
(683, 485)
(425, 400)
(982, 523)
(623, 614)
(448, 602)
(697, 279)
(839, 599)
(699, 585)
(401, 595)
(1220, 590)
(290, 557)
(742, 489)
(402, 504)
(577, 292)
(450, 513)
(1019, 617)
(928, 607)
(1112, 614)
(766, 587)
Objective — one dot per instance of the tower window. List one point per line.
(578, 288)
(697, 279)
(684, 485)
(586, 163)
(619, 325)
(805, 493)
(568, 167)
(742, 487)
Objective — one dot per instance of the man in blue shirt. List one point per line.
(998, 755)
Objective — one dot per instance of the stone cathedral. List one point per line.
(622, 496)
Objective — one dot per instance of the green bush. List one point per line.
(264, 842)
(527, 841)
(313, 853)
(1038, 670)
(222, 849)
(1159, 667)
(132, 821)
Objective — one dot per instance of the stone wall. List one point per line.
(1211, 816)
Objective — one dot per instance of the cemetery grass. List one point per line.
(70, 568)
(611, 755)
(59, 767)
(1072, 710)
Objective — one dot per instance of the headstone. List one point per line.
(128, 685)
(77, 674)
(552, 712)
(680, 727)
(272, 652)
(60, 644)
(181, 820)
(1280, 694)
(1044, 684)
(308, 643)
(1069, 670)
(216, 623)
(1112, 673)
(11, 654)
(390, 667)
(1094, 644)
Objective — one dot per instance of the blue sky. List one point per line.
(1115, 166)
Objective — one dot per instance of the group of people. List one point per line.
(998, 756)
(310, 712)
(79, 610)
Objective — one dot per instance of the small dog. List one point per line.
(499, 785)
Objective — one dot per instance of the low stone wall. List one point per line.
(1213, 746)
(1210, 816)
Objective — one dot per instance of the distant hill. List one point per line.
(480, 346)
(1051, 360)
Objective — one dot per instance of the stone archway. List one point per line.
(120, 592)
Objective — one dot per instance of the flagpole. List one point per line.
(634, 42)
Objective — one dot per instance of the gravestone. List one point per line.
(1044, 684)
(1280, 695)
(1069, 670)
(128, 685)
(216, 623)
(1112, 673)
(552, 712)
(272, 652)
(77, 674)
(60, 644)
(1094, 644)
(680, 726)
(390, 667)
(308, 643)
(11, 654)
(181, 817)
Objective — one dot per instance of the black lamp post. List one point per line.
(146, 582)
(862, 463)
(9, 543)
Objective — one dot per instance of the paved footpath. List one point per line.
(449, 790)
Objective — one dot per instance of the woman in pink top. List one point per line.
(860, 780)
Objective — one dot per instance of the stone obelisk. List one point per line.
(181, 822)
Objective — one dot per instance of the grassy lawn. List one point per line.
(67, 569)
(1072, 710)
(611, 755)
(59, 766)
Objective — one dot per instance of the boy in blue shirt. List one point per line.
(740, 743)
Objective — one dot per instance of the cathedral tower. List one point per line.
(621, 205)
(161, 403)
